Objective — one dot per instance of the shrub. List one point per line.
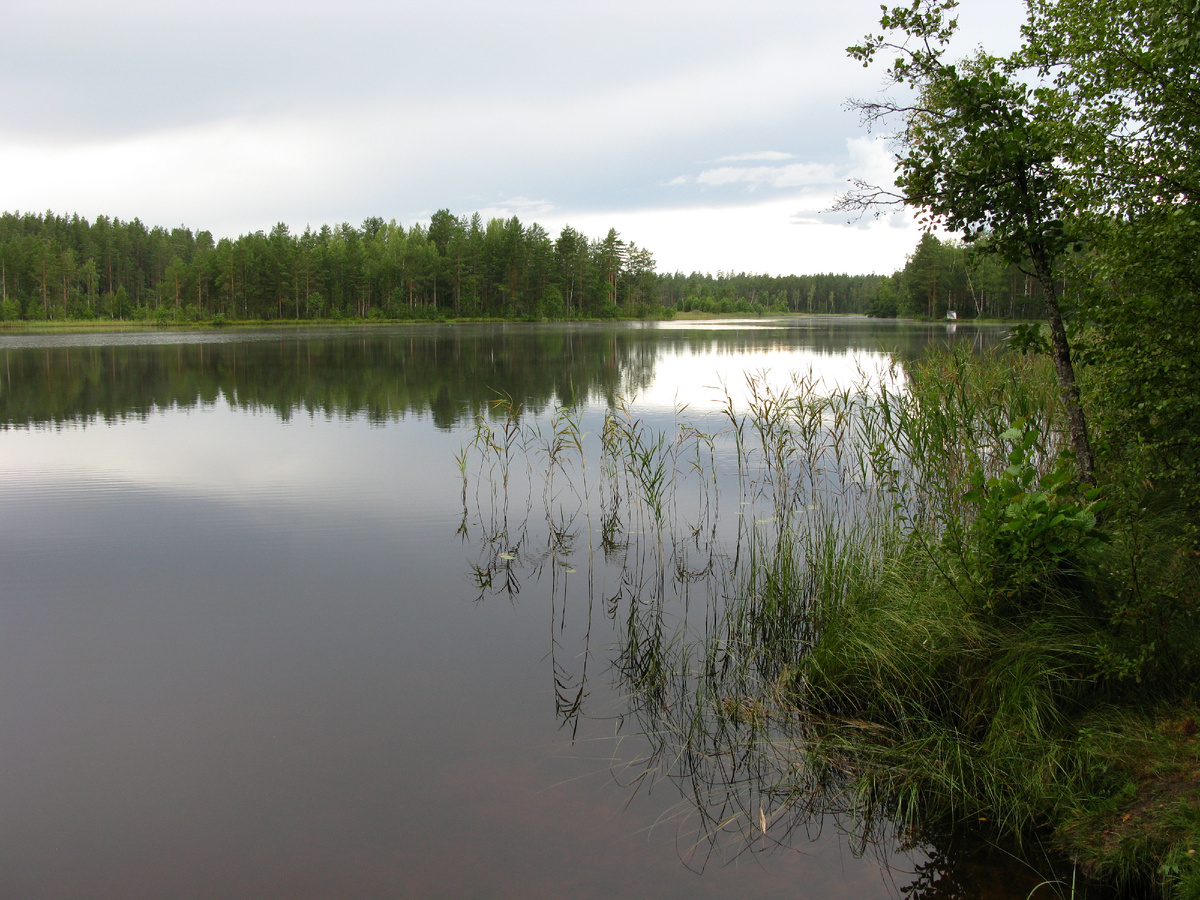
(1031, 535)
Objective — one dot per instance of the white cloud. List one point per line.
(759, 237)
(793, 175)
(871, 160)
(763, 155)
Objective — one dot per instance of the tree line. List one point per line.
(67, 267)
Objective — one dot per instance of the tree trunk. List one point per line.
(1060, 350)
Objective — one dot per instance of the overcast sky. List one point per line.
(713, 133)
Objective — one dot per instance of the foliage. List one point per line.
(1148, 585)
(1078, 155)
(978, 154)
(1031, 534)
(1141, 292)
(1120, 77)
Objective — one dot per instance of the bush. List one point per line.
(1031, 536)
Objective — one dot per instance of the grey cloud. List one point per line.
(241, 114)
(894, 218)
(120, 67)
(789, 176)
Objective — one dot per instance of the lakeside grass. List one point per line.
(925, 622)
(1018, 654)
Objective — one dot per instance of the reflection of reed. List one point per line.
(700, 604)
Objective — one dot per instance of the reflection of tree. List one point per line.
(446, 372)
(971, 864)
(380, 374)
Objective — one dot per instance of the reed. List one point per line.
(909, 613)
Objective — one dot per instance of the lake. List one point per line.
(250, 644)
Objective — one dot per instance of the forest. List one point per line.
(66, 267)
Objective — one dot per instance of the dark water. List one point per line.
(243, 653)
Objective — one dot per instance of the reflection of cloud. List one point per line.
(309, 460)
(706, 383)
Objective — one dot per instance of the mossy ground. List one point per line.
(1141, 829)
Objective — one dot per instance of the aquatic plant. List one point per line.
(905, 618)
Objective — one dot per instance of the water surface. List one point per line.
(243, 652)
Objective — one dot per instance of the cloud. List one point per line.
(792, 175)
(762, 155)
(863, 158)
(763, 235)
(187, 174)
(891, 217)
(397, 155)
(262, 111)
(528, 211)
(753, 237)
(871, 161)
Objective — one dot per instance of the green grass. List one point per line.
(922, 620)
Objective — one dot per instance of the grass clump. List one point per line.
(968, 713)
(998, 667)
(920, 618)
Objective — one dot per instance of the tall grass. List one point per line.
(875, 606)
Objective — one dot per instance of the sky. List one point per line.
(714, 133)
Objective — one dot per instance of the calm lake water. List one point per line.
(245, 651)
